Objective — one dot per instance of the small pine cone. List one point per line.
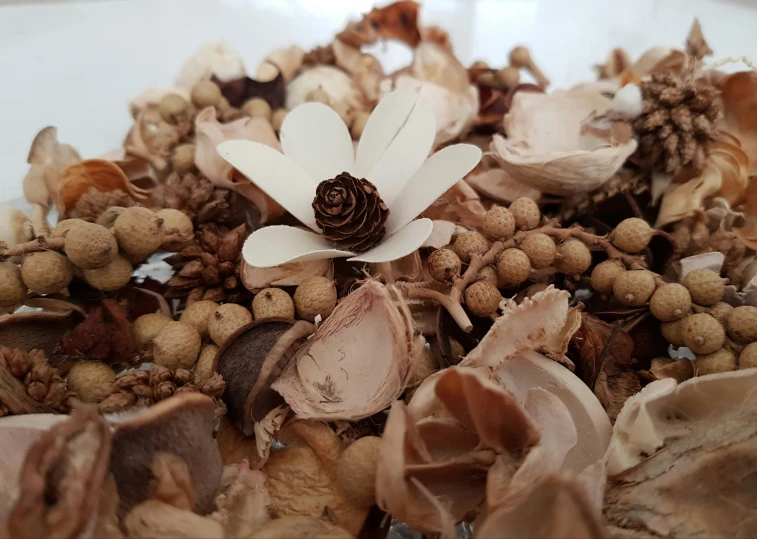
(163, 390)
(117, 402)
(21, 363)
(93, 203)
(213, 386)
(182, 377)
(677, 123)
(350, 212)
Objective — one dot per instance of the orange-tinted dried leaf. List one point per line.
(99, 174)
(395, 21)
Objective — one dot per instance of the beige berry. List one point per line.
(315, 296)
(359, 123)
(526, 213)
(488, 274)
(634, 288)
(719, 361)
(670, 302)
(62, 228)
(12, 287)
(468, 244)
(318, 95)
(604, 274)
(499, 224)
(574, 258)
(720, 312)
(482, 298)
(632, 235)
(146, 327)
(705, 286)
(173, 108)
(277, 120)
(177, 228)
(46, 272)
(198, 316)
(206, 93)
(206, 361)
(183, 158)
(509, 76)
(272, 303)
(513, 267)
(540, 249)
(257, 108)
(702, 334)
(139, 231)
(742, 324)
(226, 320)
(90, 246)
(748, 357)
(176, 346)
(112, 277)
(673, 332)
(443, 265)
(356, 470)
(86, 377)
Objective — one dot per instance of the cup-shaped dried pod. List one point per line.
(182, 425)
(15, 226)
(357, 362)
(37, 329)
(62, 478)
(251, 360)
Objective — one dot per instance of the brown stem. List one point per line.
(385, 270)
(454, 307)
(39, 220)
(41, 243)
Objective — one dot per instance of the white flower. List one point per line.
(392, 154)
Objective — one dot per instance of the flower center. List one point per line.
(350, 212)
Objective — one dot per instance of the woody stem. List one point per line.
(41, 243)
(453, 306)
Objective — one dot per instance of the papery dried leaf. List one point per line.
(239, 91)
(442, 234)
(171, 483)
(460, 204)
(217, 59)
(154, 519)
(497, 184)
(244, 505)
(395, 21)
(99, 174)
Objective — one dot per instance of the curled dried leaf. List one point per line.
(460, 204)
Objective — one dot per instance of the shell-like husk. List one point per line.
(219, 59)
(15, 226)
(336, 83)
(357, 362)
(287, 61)
(546, 148)
(291, 274)
(47, 158)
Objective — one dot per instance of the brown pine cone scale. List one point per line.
(350, 213)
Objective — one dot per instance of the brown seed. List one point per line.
(499, 224)
(513, 267)
(634, 288)
(176, 346)
(257, 108)
(86, 377)
(482, 298)
(12, 287)
(109, 278)
(748, 356)
(604, 274)
(705, 286)
(146, 327)
(443, 265)
(632, 235)
(526, 213)
(468, 244)
(198, 316)
(90, 246)
(206, 94)
(702, 334)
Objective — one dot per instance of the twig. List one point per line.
(41, 243)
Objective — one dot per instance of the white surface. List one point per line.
(76, 64)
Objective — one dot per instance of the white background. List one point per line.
(76, 64)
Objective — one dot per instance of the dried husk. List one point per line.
(739, 106)
(210, 133)
(460, 204)
(15, 226)
(748, 233)
(37, 329)
(155, 519)
(337, 84)
(290, 274)
(311, 455)
(443, 234)
(219, 59)
(546, 149)
(497, 184)
(357, 362)
(680, 458)
(365, 69)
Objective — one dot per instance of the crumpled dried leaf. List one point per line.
(311, 454)
(154, 519)
(337, 84)
(409, 268)
(365, 69)
(210, 133)
(290, 274)
(357, 362)
(497, 184)
(61, 478)
(396, 21)
(153, 96)
(243, 505)
(217, 59)
(105, 335)
(681, 456)
(460, 204)
(546, 149)
(238, 91)
(15, 226)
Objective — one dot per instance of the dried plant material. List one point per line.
(239, 91)
(748, 233)
(211, 133)
(679, 456)
(182, 425)
(29, 384)
(696, 46)
(712, 261)
(739, 107)
(443, 234)
(291, 274)
(301, 527)
(459, 204)
(337, 85)
(243, 507)
(218, 59)
(61, 478)
(15, 226)
(497, 184)
(558, 161)
(151, 96)
(557, 345)
(365, 69)
(396, 21)
(311, 453)
(617, 62)
(724, 174)
(555, 507)
(443, 446)
(287, 61)
(235, 447)
(93, 204)
(105, 335)
(154, 519)
(171, 482)
(521, 328)
(357, 362)
(104, 176)
(36, 330)
(409, 268)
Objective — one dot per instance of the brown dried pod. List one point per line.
(62, 478)
(37, 330)
(182, 425)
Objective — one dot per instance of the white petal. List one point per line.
(315, 137)
(272, 246)
(401, 244)
(440, 172)
(281, 178)
(387, 119)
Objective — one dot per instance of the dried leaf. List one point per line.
(696, 46)
(365, 69)
(395, 21)
(739, 108)
(291, 274)
(497, 184)
(460, 204)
